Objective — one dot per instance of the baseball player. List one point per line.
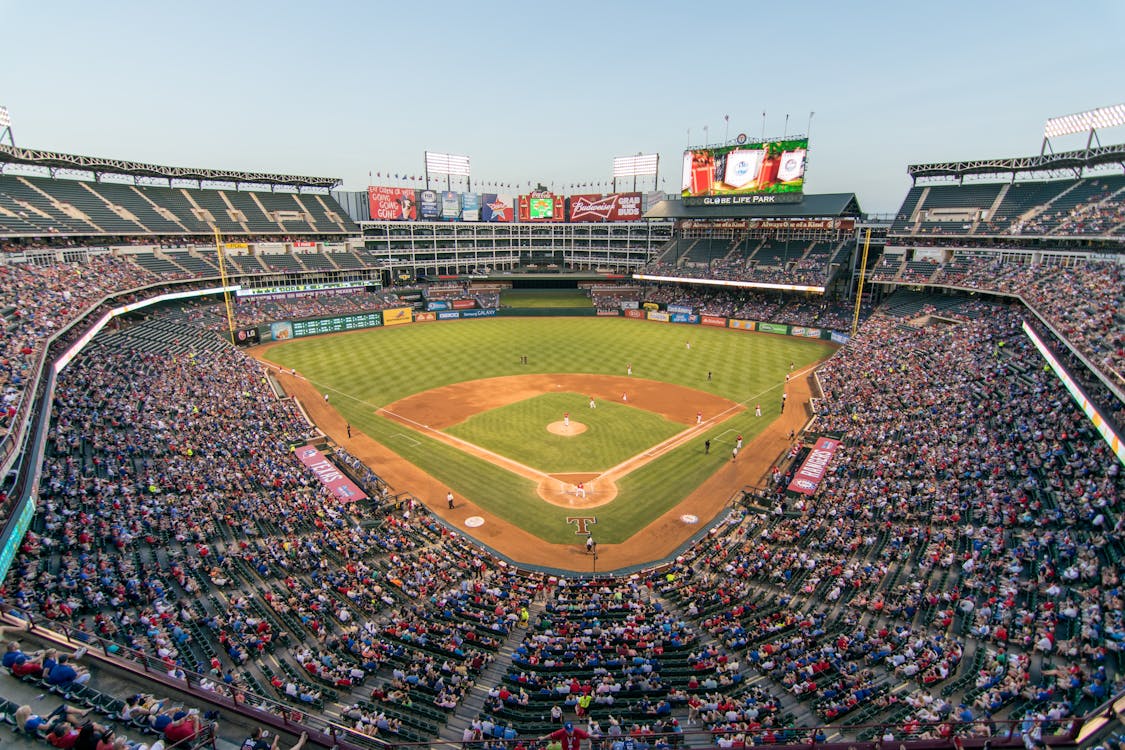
(738, 442)
(629, 369)
(758, 410)
(593, 403)
(624, 396)
(449, 499)
(566, 419)
(580, 490)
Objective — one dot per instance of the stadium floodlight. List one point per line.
(447, 164)
(1084, 122)
(5, 119)
(632, 166)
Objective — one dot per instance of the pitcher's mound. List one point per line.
(558, 428)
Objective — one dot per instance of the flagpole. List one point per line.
(763, 126)
(808, 130)
(726, 130)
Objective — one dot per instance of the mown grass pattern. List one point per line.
(614, 432)
(368, 369)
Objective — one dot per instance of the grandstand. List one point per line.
(955, 581)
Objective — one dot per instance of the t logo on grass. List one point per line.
(583, 522)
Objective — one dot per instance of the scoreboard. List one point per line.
(296, 329)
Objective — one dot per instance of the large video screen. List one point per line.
(396, 204)
(765, 172)
(541, 208)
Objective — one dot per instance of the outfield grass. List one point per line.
(368, 369)
(544, 298)
(614, 433)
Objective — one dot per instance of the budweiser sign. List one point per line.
(615, 207)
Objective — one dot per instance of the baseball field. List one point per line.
(534, 421)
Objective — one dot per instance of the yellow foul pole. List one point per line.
(859, 288)
(223, 275)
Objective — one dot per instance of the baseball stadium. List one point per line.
(514, 465)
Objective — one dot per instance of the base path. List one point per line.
(659, 539)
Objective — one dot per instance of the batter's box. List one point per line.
(406, 439)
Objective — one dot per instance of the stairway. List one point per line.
(473, 705)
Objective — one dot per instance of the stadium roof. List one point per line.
(819, 205)
(1064, 160)
(54, 160)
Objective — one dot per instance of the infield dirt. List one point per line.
(448, 405)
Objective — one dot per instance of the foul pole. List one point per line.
(859, 289)
(226, 287)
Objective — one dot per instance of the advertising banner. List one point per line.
(679, 309)
(713, 320)
(634, 313)
(651, 306)
(450, 206)
(392, 204)
(437, 304)
(742, 325)
(808, 477)
(657, 315)
(774, 328)
(840, 338)
(764, 172)
(608, 313)
(448, 315)
(344, 489)
(629, 304)
(541, 205)
(470, 207)
(429, 205)
(303, 244)
(464, 304)
(246, 336)
(486, 312)
(295, 329)
(424, 317)
(615, 207)
(497, 207)
(396, 316)
(236, 245)
(684, 318)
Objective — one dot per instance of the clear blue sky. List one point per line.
(552, 92)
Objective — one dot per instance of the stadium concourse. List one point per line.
(954, 580)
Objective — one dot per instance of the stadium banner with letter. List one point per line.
(651, 306)
(396, 316)
(236, 245)
(683, 318)
(392, 203)
(470, 207)
(713, 320)
(464, 304)
(344, 489)
(742, 325)
(497, 208)
(809, 333)
(614, 207)
(424, 317)
(449, 315)
(437, 304)
(609, 314)
(679, 309)
(450, 206)
(745, 174)
(302, 244)
(808, 477)
(774, 328)
(840, 338)
(429, 205)
(629, 304)
(659, 316)
(635, 313)
(246, 336)
(486, 312)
